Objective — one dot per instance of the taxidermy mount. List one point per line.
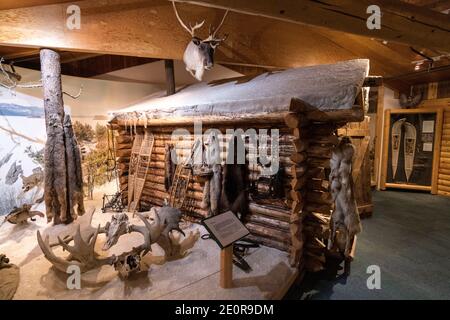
(199, 54)
(411, 101)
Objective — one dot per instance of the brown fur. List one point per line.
(55, 184)
(75, 180)
(169, 166)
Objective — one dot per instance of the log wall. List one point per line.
(299, 223)
(270, 223)
(444, 161)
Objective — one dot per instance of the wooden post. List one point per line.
(437, 149)
(170, 77)
(385, 149)
(226, 267)
(379, 136)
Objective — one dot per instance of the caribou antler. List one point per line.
(213, 31)
(191, 29)
(81, 254)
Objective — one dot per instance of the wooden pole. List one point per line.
(379, 136)
(226, 267)
(170, 76)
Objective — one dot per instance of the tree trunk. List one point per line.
(57, 193)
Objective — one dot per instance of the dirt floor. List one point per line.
(195, 276)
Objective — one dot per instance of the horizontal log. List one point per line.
(268, 242)
(266, 221)
(272, 233)
(276, 213)
(317, 173)
(319, 208)
(444, 171)
(318, 184)
(442, 182)
(272, 118)
(318, 197)
(298, 157)
(319, 151)
(298, 170)
(318, 162)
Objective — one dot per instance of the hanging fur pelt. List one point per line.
(170, 163)
(235, 184)
(345, 222)
(73, 158)
(213, 187)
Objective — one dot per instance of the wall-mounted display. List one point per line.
(411, 144)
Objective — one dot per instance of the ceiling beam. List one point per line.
(149, 28)
(400, 22)
(89, 65)
(14, 4)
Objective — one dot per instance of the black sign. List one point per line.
(225, 228)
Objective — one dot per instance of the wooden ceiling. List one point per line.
(148, 29)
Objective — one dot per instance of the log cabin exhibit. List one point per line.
(224, 150)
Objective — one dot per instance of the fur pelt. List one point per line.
(234, 188)
(55, 190)
(170, 164)
(235, 183)
(345, 218)
(212, 191)
(74, 171)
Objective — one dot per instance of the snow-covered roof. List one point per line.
(325, 87)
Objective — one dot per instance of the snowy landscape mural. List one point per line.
(22, 136)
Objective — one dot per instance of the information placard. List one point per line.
(225, 228)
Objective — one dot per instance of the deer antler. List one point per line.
(213, 31)
(191, 29)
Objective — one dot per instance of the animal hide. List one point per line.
(55, 179)
(234, 189)
(170, 163)
(74, 171)
(345, 218)
(9, 278)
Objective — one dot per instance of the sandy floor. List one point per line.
(196, 276)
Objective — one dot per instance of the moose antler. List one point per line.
(191, 29)
(81, 254)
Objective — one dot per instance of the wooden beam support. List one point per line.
(142, 29)
(170, 76)
(400, 22)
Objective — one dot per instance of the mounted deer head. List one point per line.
(199, 54)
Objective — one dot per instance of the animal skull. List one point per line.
(199, 54)
(118, 226)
